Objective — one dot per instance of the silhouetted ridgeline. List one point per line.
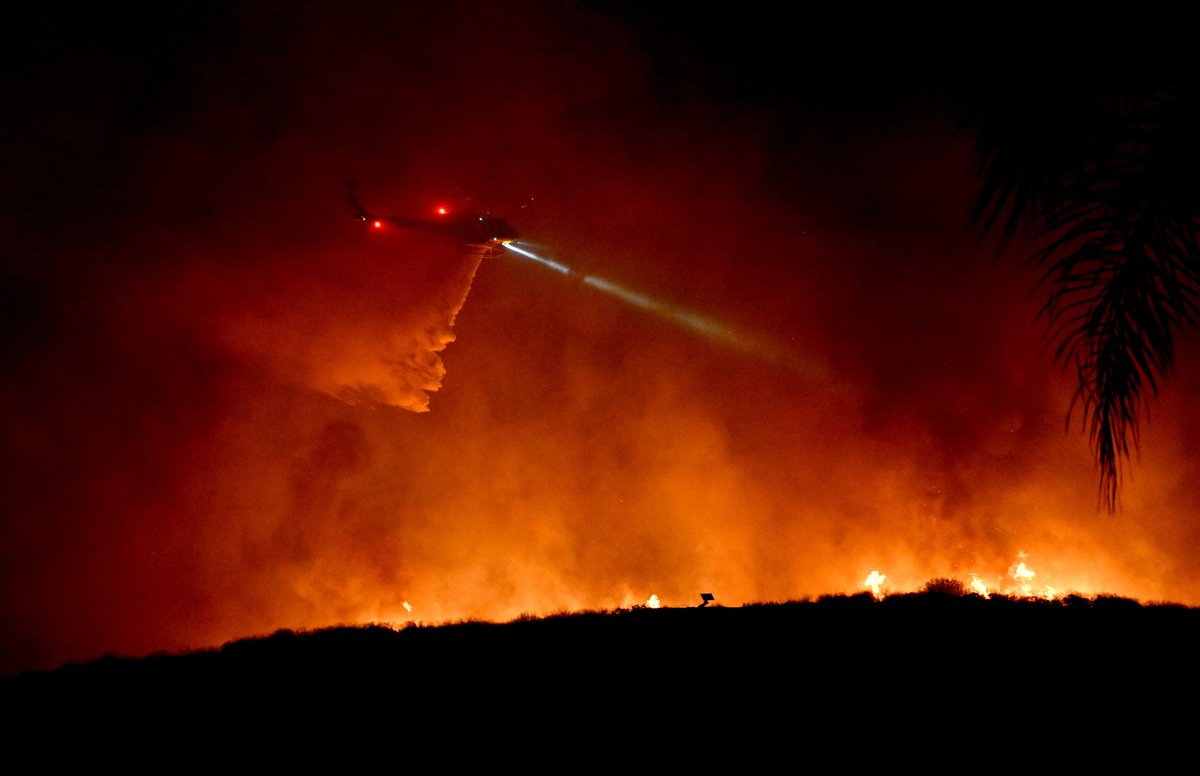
(853, 636)
(942, 682)
(909, 665)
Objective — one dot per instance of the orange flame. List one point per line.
(874, 581)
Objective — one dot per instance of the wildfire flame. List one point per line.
(1022, 574)
(1019, 572)
(874, 580)
(652, 602)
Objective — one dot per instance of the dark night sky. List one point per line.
(192, 323)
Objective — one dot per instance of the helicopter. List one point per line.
(472, 232)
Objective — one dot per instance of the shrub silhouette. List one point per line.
(945, 586)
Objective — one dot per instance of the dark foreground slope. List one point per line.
(848, 660)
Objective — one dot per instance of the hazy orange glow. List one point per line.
(240, 409)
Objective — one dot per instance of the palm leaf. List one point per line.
(1109, 183)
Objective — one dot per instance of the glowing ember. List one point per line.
(407, 606)
(874, 580)
(652, 602)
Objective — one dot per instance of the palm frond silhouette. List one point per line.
(1097, 161)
